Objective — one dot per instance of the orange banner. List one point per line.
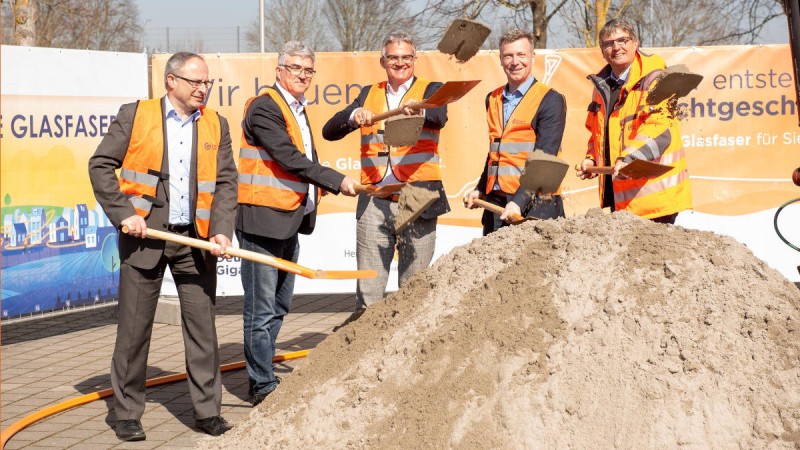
(740, 133)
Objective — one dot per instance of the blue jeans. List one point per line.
(267, 298)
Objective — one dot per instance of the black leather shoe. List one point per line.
(130, 430)
(258, 398)
(215, 425)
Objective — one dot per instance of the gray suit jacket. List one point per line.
(145, 253)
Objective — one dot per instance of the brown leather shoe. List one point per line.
(130, 430)
(215, 425)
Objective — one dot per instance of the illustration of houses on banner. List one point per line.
(82, 223)
(59, 230)
(36, 226)
(91, 237)
(18, 234)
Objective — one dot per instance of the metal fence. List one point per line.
(197, 40)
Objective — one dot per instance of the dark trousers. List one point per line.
(138, 295)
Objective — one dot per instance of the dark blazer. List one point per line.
(548, 122)
(435, 118)
(145, 253)
(265, 126)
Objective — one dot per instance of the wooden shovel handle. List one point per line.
(281, 264)
(497, 209)
(397, 111)
(601, 170)
(378, 191)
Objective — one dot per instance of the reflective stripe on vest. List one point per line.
(141, 168)
(262, 181)
(419, 162)
(510, 145)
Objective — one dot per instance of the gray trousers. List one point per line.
(376, 241)
(138, 295)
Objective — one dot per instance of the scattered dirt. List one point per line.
(463, 39)
(600, 331)
(414, 200)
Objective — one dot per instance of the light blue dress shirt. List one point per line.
(179, 148)
(512, 99)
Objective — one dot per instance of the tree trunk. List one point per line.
(25, 23)
(539, 14)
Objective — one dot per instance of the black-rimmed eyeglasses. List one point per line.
(195, 83)
(614, 42)
(296, 70)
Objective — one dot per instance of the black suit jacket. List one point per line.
(339, 126)
(145, 253)
(548, 122)
(265, 126)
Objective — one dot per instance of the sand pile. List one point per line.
(603, 331)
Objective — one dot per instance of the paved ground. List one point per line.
(51, 360)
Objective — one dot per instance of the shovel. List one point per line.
(497, 209)
(378, 191)
(676, 81)
(463, 39)
(637, 169)
(543, 173)
(412, 203)
(282, 264)
(448, 93)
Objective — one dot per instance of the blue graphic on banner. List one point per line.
(57, 258)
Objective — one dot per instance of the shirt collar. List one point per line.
(402, 88)
(521, 90)
(171, 112)
(290, 99)
(622, 77)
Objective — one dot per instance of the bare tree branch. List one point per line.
(362, 24)
(290, 20)
(85, 24)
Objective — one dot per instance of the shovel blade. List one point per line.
(677, 81)
(450, 92)
(345, 274)
(543, 173)
(463, 39)
(402, 131)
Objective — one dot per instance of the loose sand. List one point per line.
(603, 331)
(414, 200)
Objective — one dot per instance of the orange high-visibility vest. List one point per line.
(644, 129)
(418, 162)
(510, 146)
(141, 168)
(262, 181)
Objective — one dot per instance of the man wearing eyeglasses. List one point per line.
(624, 127)
(381, 165)
(524, 115)
(176, 173)
(279, 189)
